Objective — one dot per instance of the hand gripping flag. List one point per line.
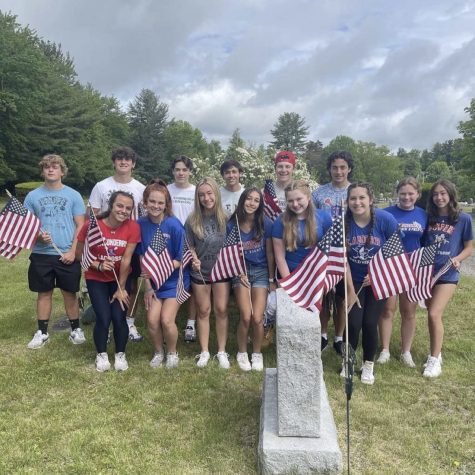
(271, 206)
(230, 261)
(93, 238)
(305, 284)
(181, 293)
(445, 268)
(157, 260)
(18, 228)
(389, 271)
(422, 261)
(336, 256)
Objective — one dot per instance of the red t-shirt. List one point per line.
(116, 242)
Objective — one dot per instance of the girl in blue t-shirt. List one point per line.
(298, 229)
(161, 303)
(251, 289)
(412, 222)
(367, 229)
(453, 229)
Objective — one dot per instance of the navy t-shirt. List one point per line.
(412, 224)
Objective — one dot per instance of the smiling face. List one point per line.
(231, 178)
(121, 209)
(252, 202)
(441, 198)
(339, 171)
(297, 202)
(407, 196)
(181, 174)
(283, 173)
(155, 205)
(123, 166)
(360, 202)
(206, 197)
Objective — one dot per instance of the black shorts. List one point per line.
(135, 266)
(199, 281)
(47, 272)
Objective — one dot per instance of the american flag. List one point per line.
(336, 256)
(422, 261)
(389, 271)
(157, 260)
(181, 293)
(305, 284)
(18, 228)
(445, 268)
(141, 210)
(230, 262)
(271, 206)
(93, 238)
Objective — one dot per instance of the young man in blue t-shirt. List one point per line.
(332, 197)
(52, 261)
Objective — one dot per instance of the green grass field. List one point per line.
(58, 415)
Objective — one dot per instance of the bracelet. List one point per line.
(100, 267)
(149, 290)
(271, 281)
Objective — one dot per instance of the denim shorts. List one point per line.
(258, 277)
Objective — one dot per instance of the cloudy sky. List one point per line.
(398, 73)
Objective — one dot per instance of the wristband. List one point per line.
(100, 267)
(149, 290)
(271, 281)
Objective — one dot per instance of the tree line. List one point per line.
(44, 108)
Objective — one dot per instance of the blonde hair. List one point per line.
(196, 217)
(52, 159)
(291, 222)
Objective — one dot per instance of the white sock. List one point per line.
(190, 323)
(130, 321)
(325, 335)
(338, 338)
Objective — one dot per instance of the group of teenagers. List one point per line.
(200, 217)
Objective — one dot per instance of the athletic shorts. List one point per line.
(47, 272)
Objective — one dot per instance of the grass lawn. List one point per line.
(58, 415)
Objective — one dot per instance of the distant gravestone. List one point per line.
(297, 432)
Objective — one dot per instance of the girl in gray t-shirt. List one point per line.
(205, 231)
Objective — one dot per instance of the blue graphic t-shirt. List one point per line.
(412, 224)
(330, 198)
(360, 253)
(56, 210)
(293, 258)
(174, 234)
(452, 238)
(254, 251)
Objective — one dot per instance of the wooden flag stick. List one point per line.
(244, 262)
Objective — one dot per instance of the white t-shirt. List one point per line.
(280, 193)
(101, 192)
(183, 201)
(229, 199)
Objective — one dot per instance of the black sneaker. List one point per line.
(337, 346)
(324, 343)
(190, 334)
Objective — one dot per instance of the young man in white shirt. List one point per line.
(231, 171)
(332, 197)
(124, 160)
(182, 193)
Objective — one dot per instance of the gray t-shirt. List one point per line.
(206, 249)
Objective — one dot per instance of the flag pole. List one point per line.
(192, 250)
(347, 361)
(105, 247)
(244, 262)
(136, 296)
(55, 247)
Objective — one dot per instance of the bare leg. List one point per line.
(168, 315)
(408, 322)
(242, 300)
(220, 304)
(259, 300)
(71, 304)
(203, 301)
(44, 304)
(154, 324)
(385, 322)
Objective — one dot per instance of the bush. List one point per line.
(22, 189)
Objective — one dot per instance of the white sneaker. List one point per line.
(39, 339)
(76, 337)
(223, 359)
(202, 358)
(172, 360)
(120, 363)
(157, 359)
(102, 362)
(384, 357)
(433, 368)
(257, 362)
(243, 361)
(134, 334)
(429, 356)
(367, 376)
(406, 358)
